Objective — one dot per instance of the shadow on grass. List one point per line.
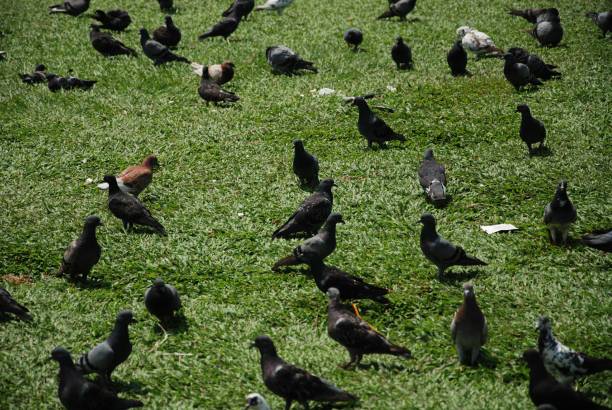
(485, 359)
(543, 151)
(125, 387)
(459, 278)
(92, 283)
(174, 326)
(378, 366)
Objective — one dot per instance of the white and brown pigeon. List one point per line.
(478, 42)
(133, 180)
(469, 327)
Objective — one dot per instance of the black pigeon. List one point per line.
(162, 301)
(38, 76)
(116, 20)
(311, 214)
(128, 208)
(240, 8)
(401, 54)
(441, 252)
(603, 20)
(292, 383)
(82, 253)
(10, 305)
(305, 165)
(457, 59)
(78, 393)
(71, 7)
(599, 240)
(532, 130)
(432, 177)
(544, 389)
(372, 128)
(166, 5)
(56, 82)
(169, 34)
(518, 74)
(536, 65)
(210, 90)
(156, 51)
(531, 15)
(548, 31)
(110, 353)
(399, 8)
(353, 37)
(106, 45)
(286, 61)
(224, 28)
(349, 286)
(77, 83)
(559, 215)
(316, 248)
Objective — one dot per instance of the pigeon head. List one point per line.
(458, 44)
(228, 64)
(561, 193)
(256, 401)
(436, 191)
(151, 162)
(269, 50)
(332, 293)
(335, 218)
(428, 219)
(264, 344)
(144, 34)
(468, 290)
(509, 57)
(463, 30)
(523, 108)
(61, 355)
(158, 283)
(532, 357)
(40, 67)
(93, 220)
(111, 180)
(326, 185)
(298, 144)
(399, 40)
(95, 28)
(359, 102)
(168, 21)
(125, 317)
(543, 324)
(205, 73)
(428, 154)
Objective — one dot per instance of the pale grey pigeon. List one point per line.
(286, 61)
(559, 215)
(432, 177)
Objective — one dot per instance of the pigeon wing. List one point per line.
(101, 358)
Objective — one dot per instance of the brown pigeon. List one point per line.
(469, 327)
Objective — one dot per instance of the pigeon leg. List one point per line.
(564, 234)
(287, 404)
(474, 355)
(355, 359)
(440, 272)
(84, 277)
(370, 144)
(462, 354)
(126, 225)
(553, 235)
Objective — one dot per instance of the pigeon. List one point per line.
(82, 253)
(169, 34)
(71, 7)
(477, 42)
(39, 75)
(349, 286)
(531, 15)
(78, 393)
(399, 8)
(372, 128)
(255, 401)
(162, 300)
(559, 214)
(219, 73)
(311, 214)
(603, 20)
(316, 248)
(441, 252)
(109, 354)
(355, 334)
(10, 305)
(563, 363)
(77, 83)
(209, 90)
(401, 54)
(106, 45)
(536, 65)
(133, 180)
(353, 38)
(532, 130)
(432, 177)
(224, 28)
(286, 61)
(457, 59)
(129, 209)
(469, 328)
(116, 20)
(2, 55)
(549, 31)
(156, 51)
(518, 74)
(166, 5)
(240, 8)
(599, 240)
(305, 165)
(56, 82)
(292, 383)
(544, 389)
(274, 5)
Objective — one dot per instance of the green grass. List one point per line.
(218, 163)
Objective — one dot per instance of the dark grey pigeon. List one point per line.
(240, 8)
(106, 45)
(109, 354)
(536, 65)
(128, 208)
(211, 91)
(38, 76)
(116, 20)
(162, 301)
(599, 240)
(559, 215)
(56, 82)
(457, 59)
(169, 34)
(73, 82)
(10, 305)
(432, 177)
(286, 61)
(548, 31)
(156, 51)
(531, 15)
(305, 165)
(78, 393)
(469, 328)
(316, 248)
(71, 7)
(349, 286)
(603, 20)
(292, 383)
(352, 332)
(353, 37)
(532, 130)
(166, 5)
(518, 74)
(311, 214)
(372, 128)
(441, 252)
(401, 54)
(82, 253)
(399, 8)
(224, 28)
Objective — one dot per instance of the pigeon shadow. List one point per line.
(4, 318)
(294, 269)
(485, 359)
(91, 284)
(177, 325)
(326, 406)
(542, 151)
(378, 366)
(461, 277)
(131, 387)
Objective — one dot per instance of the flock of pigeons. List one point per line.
(553, 367)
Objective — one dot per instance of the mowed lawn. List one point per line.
(226, 183)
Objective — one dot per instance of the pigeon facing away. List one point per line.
(78, 393)
(477, 42)
(311, 214)
(536, 65)
(401, 54)
(563, 363)
(209, 90)
(240, 8)
(82, 253)
(399, 8)
(316, 248)
(38, 76)
(603, 20)
(372, 128)
(548, 31)
(106, 45)
(305, 165)
(432, 177)
(128, 208)
(162, 300)
(71, 7)
(110, 353)
(518, 74)
(224, 28)
(353, 37)
(286, 61)
(544, 389)
(255, 401)
(355, 334)
(559, 214)
(274, 5)
(133, 180)
(599, 240)
(441, 252)
(116, 20)
(169, 34)
(532, 130)
(531, 15)
(292, 383)
(156, 51)
(10, 305)
(166, 5)
(457, 59)
(469, 328)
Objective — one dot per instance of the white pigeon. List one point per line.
(477, 42)
(255, 401)
(278, 5)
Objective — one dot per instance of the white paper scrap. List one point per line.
(498, 228)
